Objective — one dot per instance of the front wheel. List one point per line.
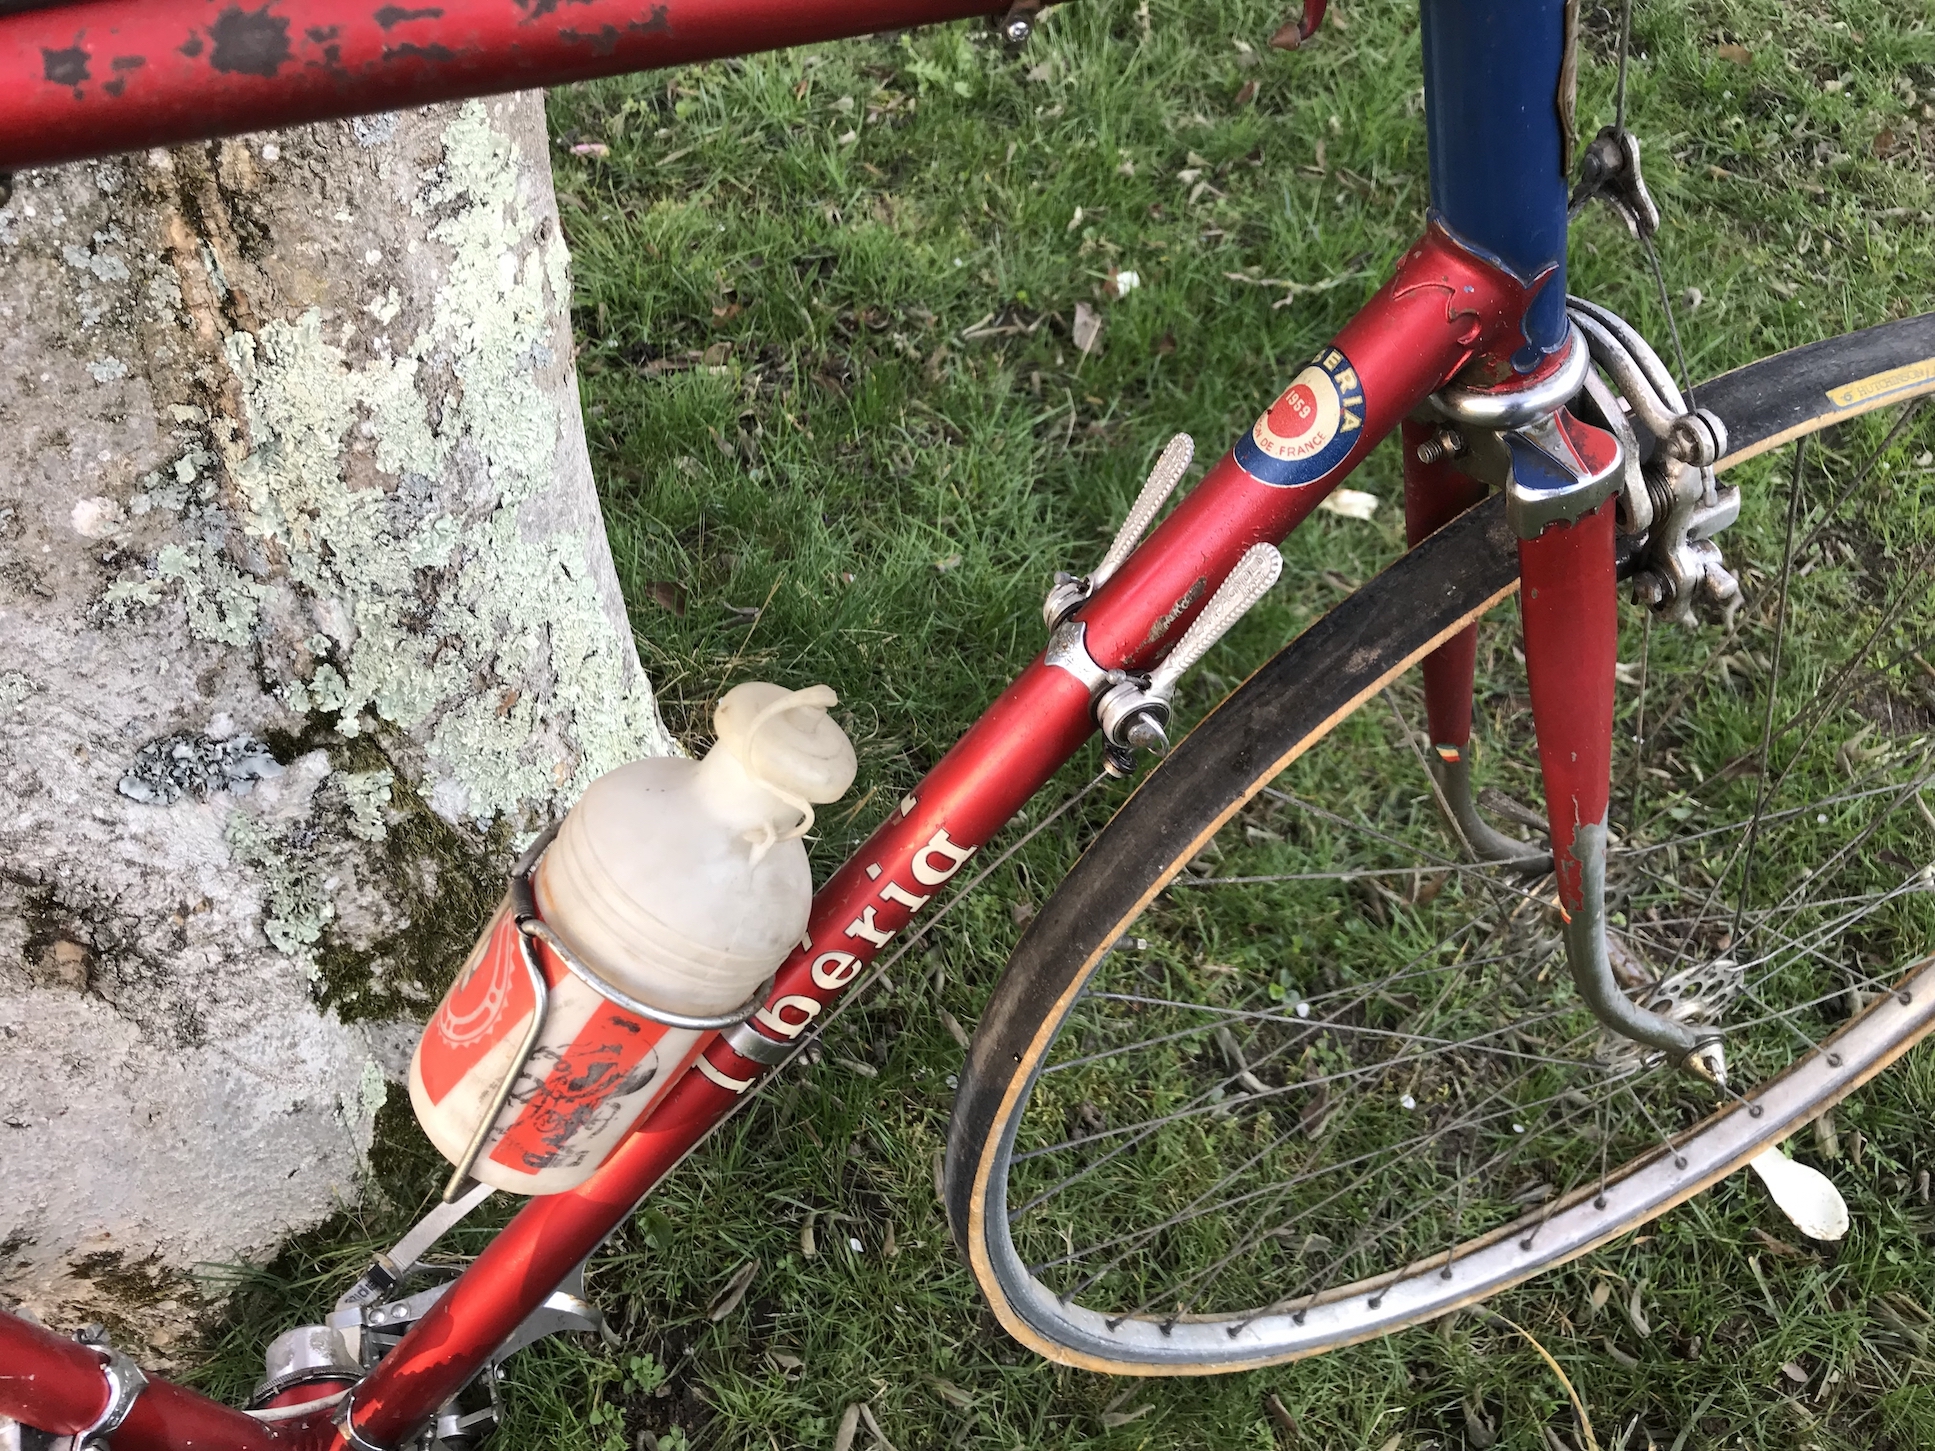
(1336, 1082)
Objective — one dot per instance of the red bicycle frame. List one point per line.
(86, 78)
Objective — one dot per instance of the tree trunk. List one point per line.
(307, 619)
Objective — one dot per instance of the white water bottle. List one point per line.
(681, 884)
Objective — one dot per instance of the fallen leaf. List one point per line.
(951, 1393)
(1738, 54)
(809, 1242)
(1245, 94)
(1286, 1422)
(1022, 913)
(1884, 142)
(854, 1065)
(716, 355)
(1087, 331)
(728, 1299)
(787, 1364)
(1795, 1372)
(849, 1427)
(866, 1414)
(1349, 503)
(1112, 1419)
(1601, 1292)
(1635, 1314)
(668, 595)
(1122, 282)
(1805, 1195)
(1779, 1246)
(591, 148)
(943, 566)
(954, 1028)
(1618, 1356)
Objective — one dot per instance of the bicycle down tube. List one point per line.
(1476, 293)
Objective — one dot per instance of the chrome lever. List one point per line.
(1170, 467)
(1132, 715)
(1259, 568)
(1071, 590)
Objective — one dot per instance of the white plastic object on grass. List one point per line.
(1349, 503)
(683, 884)
(1805, 1195)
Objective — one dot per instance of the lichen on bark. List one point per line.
(290, 453)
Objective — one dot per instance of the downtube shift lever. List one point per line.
(1134, 714)
(1071, 590)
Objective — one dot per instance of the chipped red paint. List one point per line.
(102, 76)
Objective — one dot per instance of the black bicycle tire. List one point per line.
(1282, 710)
(1801, 391)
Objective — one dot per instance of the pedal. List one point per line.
(1071, 591)
(1134, 714)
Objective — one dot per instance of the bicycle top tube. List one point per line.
(91, 77)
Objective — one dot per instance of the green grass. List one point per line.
(824, 309)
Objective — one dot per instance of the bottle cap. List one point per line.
(786, 740)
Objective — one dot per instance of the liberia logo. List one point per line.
(1309, 430)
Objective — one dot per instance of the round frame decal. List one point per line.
(1311, 429)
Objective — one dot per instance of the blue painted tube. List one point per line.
(1491, 101)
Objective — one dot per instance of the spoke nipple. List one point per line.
(1905, 997)
(1526, 1244)
(1375, 1301)
(1834, 1060)
(1754, 1110)
(1599, 1202)
(1679, 1161)
(1445, 1273)
(1297, 1319)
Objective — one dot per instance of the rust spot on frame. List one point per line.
(249, 42)
(405, 51)
(391, 16)
(65, 67)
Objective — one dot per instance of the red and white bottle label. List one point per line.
(594, 1063)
